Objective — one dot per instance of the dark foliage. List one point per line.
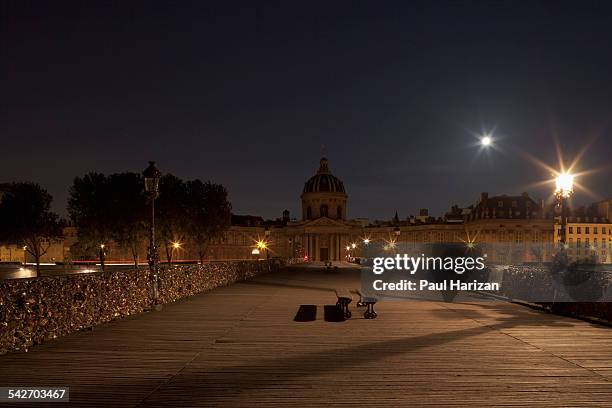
(26, 218)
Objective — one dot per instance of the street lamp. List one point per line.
(175, 247)
(102, 256)
(564, 190)
(151, 178)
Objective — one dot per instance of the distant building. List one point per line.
(588, 238)
(510, 228)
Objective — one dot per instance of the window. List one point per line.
(594, 230)
(514, 204)
(578, 243)
(323, 210)
(500, 203)
(518, 237)
(571, 230)
(308, 213)
(586, 230)
(578, 230)
(339, 212)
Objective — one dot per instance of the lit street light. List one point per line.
(175, 247)
(151, 179)
(486, 141)
(565, 185)
(564, 190)
(102, 255)
(263, 246)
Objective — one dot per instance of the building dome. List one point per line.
(324, 195)
(324, 181)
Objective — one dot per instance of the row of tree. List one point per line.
(115, 208)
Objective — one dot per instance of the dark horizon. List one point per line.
(247, 96)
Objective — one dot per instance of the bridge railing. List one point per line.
(35, 310)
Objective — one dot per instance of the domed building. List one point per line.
(324, 195)
(324, 231)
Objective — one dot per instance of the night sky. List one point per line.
(247, 94)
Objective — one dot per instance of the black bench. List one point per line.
(368, 302)
(344, 299)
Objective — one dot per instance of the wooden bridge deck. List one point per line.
(238, 346)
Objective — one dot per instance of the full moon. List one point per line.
(485, 141)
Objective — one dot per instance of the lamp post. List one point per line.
(151, 178)
(102, 256)
(564, 190)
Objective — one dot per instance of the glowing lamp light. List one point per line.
(366, 241)
(348, 247)
(255, 251)
(176, 245)
(305, 257)
(565, 185)
(262, 244)
(353, 245)
(102, 246)
(486, 141)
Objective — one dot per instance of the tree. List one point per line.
(171, 218)
(26, 219)
(89, 210)
(208, 212)
(127, 208)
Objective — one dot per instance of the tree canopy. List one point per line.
(26, 219)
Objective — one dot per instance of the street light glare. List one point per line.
(176, 245)
(486, 141)
(565, 184)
